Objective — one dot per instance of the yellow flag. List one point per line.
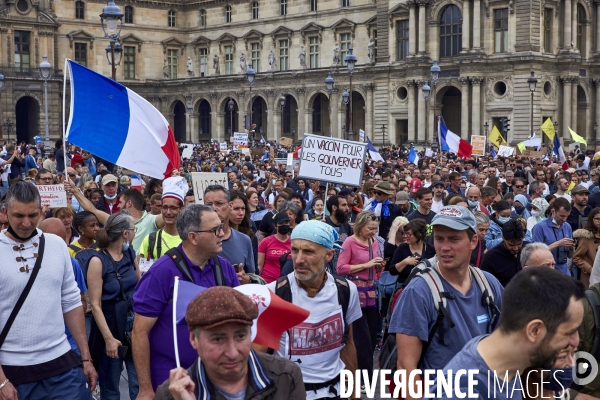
(495, 137)
(571, 186)
(521, 146)
(576, 137)
(548, 129)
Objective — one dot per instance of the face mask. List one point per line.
(318, 212)
(125, 246)
(110, 197)
(554, 220)
(283, 229)
(535, 213)
(230, 164)
(503, 220)
(473, 204)
(519, 209)
(559, 379)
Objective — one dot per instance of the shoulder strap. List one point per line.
(218, 272)
(283, 289)
(343, 292)
(594, 299)
(159, 244)
(114, 264)
(180, 263)
(487, 295)
(370, 258)
(151, 245)
(74, 248)
(25, 293)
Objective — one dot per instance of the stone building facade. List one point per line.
(188, 58)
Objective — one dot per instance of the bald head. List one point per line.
(54, 226)
(473, 193)
(537, 255)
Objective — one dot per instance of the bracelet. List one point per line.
(90, 360)
(3, 384)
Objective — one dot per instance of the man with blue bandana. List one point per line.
(322, 345)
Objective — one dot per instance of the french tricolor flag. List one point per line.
(558, 150)
(455, 144)
(116, 124)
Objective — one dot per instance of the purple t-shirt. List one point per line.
(153, 299)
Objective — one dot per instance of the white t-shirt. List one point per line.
(436, 206)
(564, 196)
(317, 341)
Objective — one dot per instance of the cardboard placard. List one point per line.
(333, 160)
(201, 180)
(505, 151)
(361, 135)
(286, 141)
(240, 139)
(53, 196)
(478, 143)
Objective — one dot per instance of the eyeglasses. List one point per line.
(214, 230)
(406, 234)
(70, 174)
(374, 218)
(216, 204)
(48, 179)
(519, 187)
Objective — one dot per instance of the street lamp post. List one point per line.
(596, 133)
(115, 51)
(426, 92)
(434, 73)
(532, 81)
(8, 127)
(485, 127)
(350, 60)
(282, 105)
(1, 89)
(111, 13)
(383, 133)
(231, 106)
(329, 82)
(346, 100)
(250, 78)
(46, 73)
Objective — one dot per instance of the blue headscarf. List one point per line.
(317, 232)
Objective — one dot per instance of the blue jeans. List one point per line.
(109, 376)
(70, 385)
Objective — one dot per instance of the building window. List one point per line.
(548, 29)
(283, 4)
(255, 56)
(172, 63)
(202, 17)
(313, 5)
(450, 31)
(345, 3)
(255, 10)
(128, 15)
(284, 54)
(203, 62)
(501, 30)
(172, 19)
(129, 62)
(345, 43)
(402, 39)
(228, 60)
(313, 52)
(79, 10)
(228, 14)
(581, 22)
(81, 54)
(22, 51)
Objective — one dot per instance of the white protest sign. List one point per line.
(428, 153)
(361, 135)
(240, 139)
(202, 180)
(505, 151)
(53, 196)
(223, 146)
(188, 150)
(290, 159)
(332, 160)
(535, 142)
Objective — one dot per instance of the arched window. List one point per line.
(172, 20)
(255, 10)
(581, 23)
(450, 31)
(79, 10)
(128, 15)
(202, 17)
(227, 14)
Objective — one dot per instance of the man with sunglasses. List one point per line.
(201, 231)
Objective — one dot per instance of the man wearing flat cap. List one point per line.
(220, 320)
(322, 345)
(454, 233)
(383, 207)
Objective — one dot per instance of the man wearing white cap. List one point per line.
(158, 243)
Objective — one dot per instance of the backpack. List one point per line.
(182, 266)
(283, 290)
(152, 243)
(388, 355)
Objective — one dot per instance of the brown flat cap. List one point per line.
(220, 305)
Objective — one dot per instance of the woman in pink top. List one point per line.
(273, 247)
(360, 262)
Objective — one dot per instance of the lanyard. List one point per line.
(478, 255)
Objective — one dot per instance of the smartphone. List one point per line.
(122, 351)
(237, 267)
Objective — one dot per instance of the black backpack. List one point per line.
(283, 290)
(152, 242)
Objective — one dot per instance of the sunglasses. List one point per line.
(519, 187)
(377, 193)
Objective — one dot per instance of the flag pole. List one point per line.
(65, 175)
(175, 290)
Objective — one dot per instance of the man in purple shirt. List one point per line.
(201, 232)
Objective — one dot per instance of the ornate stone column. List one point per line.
(412, 28)
(421, 113)
(477, 25)
(597, 2)
(574, 84)
(369, 127)
(464, 107)
(411, 110)
(566, 120)
(597, 111)
(476, 105)
(567, 25)
(333, 103)
(574, 26)
(422, 30)
(466, 28)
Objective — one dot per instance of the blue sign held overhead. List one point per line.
(38, 139)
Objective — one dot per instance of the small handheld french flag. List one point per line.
(413, 157)
(116, 124)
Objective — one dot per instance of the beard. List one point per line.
(543, 356)
(340, 216)
(310, 276)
